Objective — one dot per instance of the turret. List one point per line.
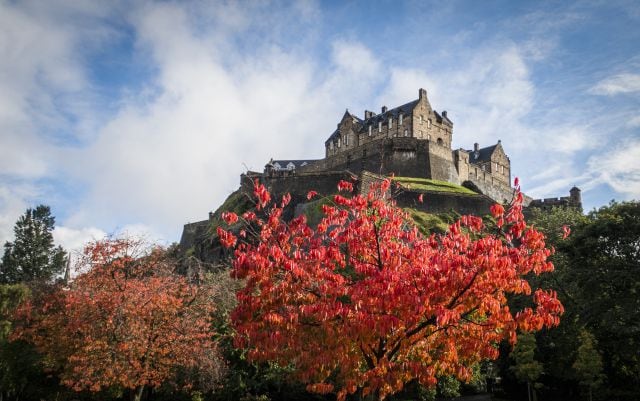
(575, 198)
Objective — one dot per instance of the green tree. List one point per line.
(588, 364)
(526, 368)
(32, 255)
(604, 266)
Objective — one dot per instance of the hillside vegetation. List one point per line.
(426, 184)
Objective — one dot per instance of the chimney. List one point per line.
(422, 93)
(384, 109)
(444, 113)
(476, 147)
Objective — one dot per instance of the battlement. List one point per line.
(574, 200)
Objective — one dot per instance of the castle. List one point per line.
(412, 140)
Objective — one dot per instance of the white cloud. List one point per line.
(634, 122)
(620, 83)
(170, 159)
(619, 169)
(13, 203)
(74, 240)
(355, 58)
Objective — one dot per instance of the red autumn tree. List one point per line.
(129, 322)
(366, 303)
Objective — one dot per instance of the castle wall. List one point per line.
(401, 156)
(490, 185)
(440, 163)
(298, 185)
(461, 161)
(426, 125)
(440, 202)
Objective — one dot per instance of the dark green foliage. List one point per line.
(597, 277)
(588, 363)
(32, 255)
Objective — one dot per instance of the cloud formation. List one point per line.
(149, 112)
(620, 83)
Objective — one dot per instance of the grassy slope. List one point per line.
(425, 184)
(426, 222)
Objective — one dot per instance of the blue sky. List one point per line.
(140, 116)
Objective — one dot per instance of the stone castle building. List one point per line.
(411, 140)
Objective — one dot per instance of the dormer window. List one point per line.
(379, 126)
(369, 129)
(400, 120)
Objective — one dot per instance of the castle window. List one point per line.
(496, 166)
(440, 141)
(502, 167)
(346, 140)
(379, 126)
(406, 132)
(400, 120)
(421, 118)
(369, 129)
(390, 122)
(429, 123)
(339, 142)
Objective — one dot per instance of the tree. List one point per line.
(526, 368)
(365, 303)
(603, 263)
(588, 363)
(127, 322)
(32, 255)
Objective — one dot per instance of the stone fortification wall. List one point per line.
(491, 186)
(299, 184)
(443, 202)
(441, 165)
(402, 156)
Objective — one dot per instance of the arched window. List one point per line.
(440, 141)
(429, 123)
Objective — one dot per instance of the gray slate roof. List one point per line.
(483, 154)
(284, 163)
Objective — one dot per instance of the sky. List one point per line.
(140, 116)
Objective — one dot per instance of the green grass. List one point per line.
(237, 203)
(429, 223)
(426, 184)
(313, 210)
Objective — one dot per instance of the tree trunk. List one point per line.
(590, 394)
(528, 390)
(136, 395)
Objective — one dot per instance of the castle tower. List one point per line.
(575, 197)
